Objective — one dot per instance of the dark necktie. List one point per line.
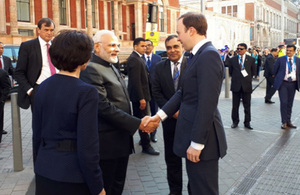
(176, 75)
(290, 69)
(241, 62)
(0, 62)
(190, 58)
(148, 62)
(52, 68)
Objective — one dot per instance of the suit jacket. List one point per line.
(8, 66)
(199, 119)
(115, 122)
(162, 82)
(138, 83)
(269, 65)
(238, 81)
(154, 60)
(28, 69)
(280, 70)
(65, 111)
(4, 85)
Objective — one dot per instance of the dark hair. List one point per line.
(149, 40)
(280, 46)
(70, 49)
(46, 21)
(170, 37)
(293, 46)
(138, 40)
(1, 43)
(196, 20)
(274, 50)
(243, 45)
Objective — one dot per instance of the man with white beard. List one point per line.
(115, 123)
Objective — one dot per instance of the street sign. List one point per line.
(153, 36)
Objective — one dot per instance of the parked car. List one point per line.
(162, 54)
(12, 51)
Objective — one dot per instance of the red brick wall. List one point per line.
(82, 14)
(7, 12)
(273, 4)
(292, 14)
(174, 3)
(49, 9)
(144, 13)
(73, 15)
(131, 19)
(169, 21)
(124, 29)
(109, 15)
(37, 10)
(101, 15)
(210, 9)
(249, 11)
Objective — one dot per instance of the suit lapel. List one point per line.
(38, 51)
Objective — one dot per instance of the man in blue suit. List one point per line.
(286, 71)
(151, 60)
(199, 134)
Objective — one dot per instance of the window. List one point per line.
(23, 10)
(161, 16)
(235, 11)
(223, 10)
(93, 14)
(62, 12)
(229, 11)
(25, 32)
(112, 13)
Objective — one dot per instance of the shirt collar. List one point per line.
(137, 53)
(43, 42)
(199, 45)
(180, 60)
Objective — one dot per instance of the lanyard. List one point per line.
(290, 66)
(240, 60)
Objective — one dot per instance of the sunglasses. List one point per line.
(240, 48)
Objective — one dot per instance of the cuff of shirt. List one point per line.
(197, 146)
(29, 91)
(162, 115)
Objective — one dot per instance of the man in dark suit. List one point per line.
(287, 81)
(165, 82)
(34, 64)
(116, 124)
(151, 60)
(5, 64)
(269, 66)
(4, 90)
(138, 88)
(241, 70)
(199, 130)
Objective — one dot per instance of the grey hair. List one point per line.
(97, 37)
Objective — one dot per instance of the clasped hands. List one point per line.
(149, 124)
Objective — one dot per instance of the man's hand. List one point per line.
(155, 119)
(102, 192)
(176, 115)
(193, 154)
(142, 104)
(150, 127)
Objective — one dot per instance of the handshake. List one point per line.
(149, 124)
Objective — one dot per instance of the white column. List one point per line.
(13, 17)
(138, 19)
(44, 9)
(116, 18)
(78, 14)
(89, 18)
(2, 18)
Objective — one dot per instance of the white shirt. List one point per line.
(178, 66)
(146, 56)
(287, 69)
(2, 62)
(163, 115)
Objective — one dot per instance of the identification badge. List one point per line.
(292, 75)
(244, 73)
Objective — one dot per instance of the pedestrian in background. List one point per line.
(269, 66)
(241, 70)
(65, 128)
(4, 91)
(287, 81)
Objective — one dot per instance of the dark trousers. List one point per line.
(236, 99)
(114, 174)
(45, 186)
(137, 112)
(203, 177)
(270, 90)
(153, 110)
(1, 118)
(31, 97)
(286, 95)
(173, 162)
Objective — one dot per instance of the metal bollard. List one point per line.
(16, 130)
(226, 82)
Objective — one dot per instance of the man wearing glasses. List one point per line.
(241, 70)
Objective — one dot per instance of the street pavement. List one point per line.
(265, 160)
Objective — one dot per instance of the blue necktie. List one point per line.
(148, 62)
(176, 75)
(290, 70)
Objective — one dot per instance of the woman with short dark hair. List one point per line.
(65, 127)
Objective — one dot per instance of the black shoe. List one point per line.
(153, 138)
(248, 126)
(4, 132)
(150, 151)
(284, 126)
(234, 125)
(269, 101)
(291, 125)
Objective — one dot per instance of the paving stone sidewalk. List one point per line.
(262, 161)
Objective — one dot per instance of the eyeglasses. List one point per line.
(240, 48)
